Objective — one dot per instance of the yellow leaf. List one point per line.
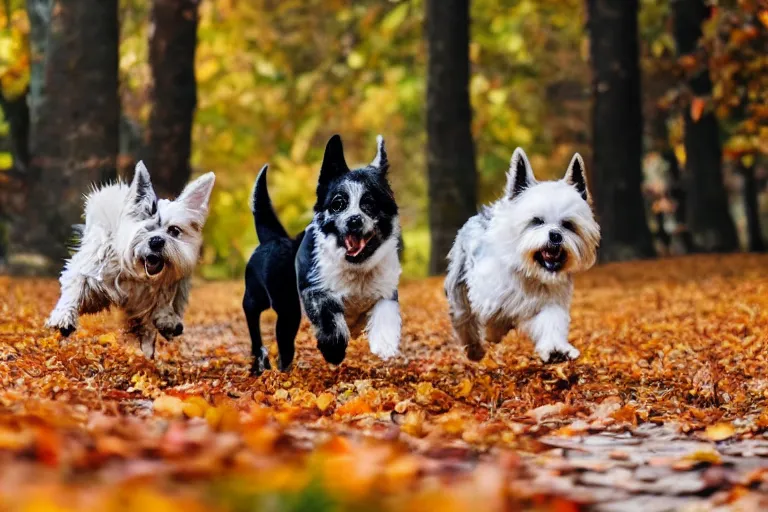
(169, 406)
(465, 388)
(355, 60)
(748, 160)
(195, 407)
(107, 339)
(324, 401)
(710, 456)
(395, 17)
(719, 431)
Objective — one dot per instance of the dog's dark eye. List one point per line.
(537, 221)
(568, 225)
(174, 231)
(153, 209)
(367, 204)
(338, 204)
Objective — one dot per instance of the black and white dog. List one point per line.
(343, 270)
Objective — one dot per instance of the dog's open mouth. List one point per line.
(153, 264)
(551, 258)
(355, 244)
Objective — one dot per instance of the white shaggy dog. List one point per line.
(511, 264)
(136, 253)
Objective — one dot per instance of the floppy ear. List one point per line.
(576, 176)
(520, 175)
(334, 164)
(141, 196)
(196, 195)
(381, 162)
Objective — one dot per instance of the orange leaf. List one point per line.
(697, 108)
(764, 17)
(354, 407)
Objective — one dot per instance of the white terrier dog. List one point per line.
(511, 264)
(136, 253)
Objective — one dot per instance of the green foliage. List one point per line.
(241, 496)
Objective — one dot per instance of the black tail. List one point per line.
(268, 226)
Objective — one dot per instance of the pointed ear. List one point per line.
(197, 194)
(334, 164)
(576, 176)
(520, 175)
(141, 195)
(381, 161)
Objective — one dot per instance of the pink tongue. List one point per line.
(354, 245)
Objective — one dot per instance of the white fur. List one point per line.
(384, 329)
(108, 267)
(376, 162)
(494, 283)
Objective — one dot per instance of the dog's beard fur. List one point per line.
(511, 264)
(136, 252)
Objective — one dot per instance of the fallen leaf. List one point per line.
(719, 432)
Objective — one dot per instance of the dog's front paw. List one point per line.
(169, 327)
(147, 342)
(260, 362)
(63, 320)
(556, 353)
(384, 329)
(333, 346)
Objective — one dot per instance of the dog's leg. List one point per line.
(146, 333)
(469, 329)
(181, 299)
(549, 332)
(327, 316)
(384, 326)
(285, 331)
(65, 315)
(164, 317)
(288, 321)
(256, 302)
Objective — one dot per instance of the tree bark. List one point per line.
(74, 128)
(752, 209)
(709, 220)
(172, 49)
(450, 148)
(617, 130)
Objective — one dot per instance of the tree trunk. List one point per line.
(677, 192)
(709, 220)
(450, 148)
(174, 96)
(74, 129)
(617, 130)
(752, 209)
(39, 14)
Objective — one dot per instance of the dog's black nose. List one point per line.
(555, 237)
(156, 243)
(354, 223)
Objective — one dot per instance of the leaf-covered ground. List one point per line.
(664, 409)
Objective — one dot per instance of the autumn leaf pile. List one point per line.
(666, 405)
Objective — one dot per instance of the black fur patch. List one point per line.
(521, 177)
(577, 178)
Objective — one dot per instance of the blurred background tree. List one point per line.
(450, 150)
(275, 78)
